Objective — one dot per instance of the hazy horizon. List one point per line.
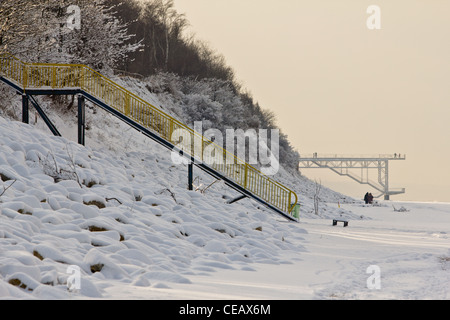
(337, 86)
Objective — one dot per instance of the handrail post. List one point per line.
(245, 175)
(170, 130)
(83, 71)
(290, 206)
(54, 77)
(24, 76)
(202, 147)
(127, 104)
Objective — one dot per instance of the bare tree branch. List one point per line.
(6, 189)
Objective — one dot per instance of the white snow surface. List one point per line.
(119, 210)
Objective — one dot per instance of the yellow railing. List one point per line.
(63, 76)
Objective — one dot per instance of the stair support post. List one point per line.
(81, 120)
(190, 176)
(25, 109)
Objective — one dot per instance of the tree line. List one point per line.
(165, 45)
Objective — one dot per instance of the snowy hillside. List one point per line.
(119, 209)
(126, 213)
(118, 212)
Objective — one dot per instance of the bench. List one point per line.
(335, 221)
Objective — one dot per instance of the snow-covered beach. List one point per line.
(124, 217)
(411, 250)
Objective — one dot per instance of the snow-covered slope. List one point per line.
(119, 209)
(128, 212)
(117, 216)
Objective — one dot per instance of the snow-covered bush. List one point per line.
(219, 105)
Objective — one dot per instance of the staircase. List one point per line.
(46, 79)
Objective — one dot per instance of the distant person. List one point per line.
(366, 198)
(370, 198)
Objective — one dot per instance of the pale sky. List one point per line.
(338, 87)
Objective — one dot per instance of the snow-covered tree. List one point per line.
(102, 41)
(18, 21)
(76, 31)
